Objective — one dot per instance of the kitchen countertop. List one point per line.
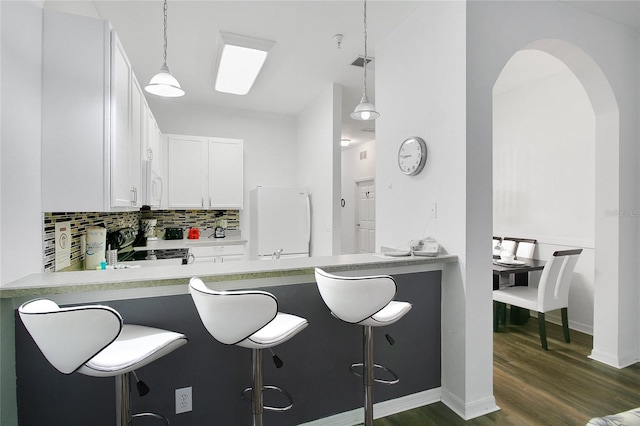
(154, 277)
(186, 243)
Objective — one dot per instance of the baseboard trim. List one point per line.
(613, 361)
(472, 410)
(381, 409)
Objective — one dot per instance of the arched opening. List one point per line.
(555, 156)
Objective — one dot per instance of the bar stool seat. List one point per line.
(366, 301)
(249, 319)
(282, 328)
(93, 340)
(387, 315)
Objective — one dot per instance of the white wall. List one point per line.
(420, 91)
(544, 168)
(270, 148)
(354, 170)
(318, 167)
(496, 30)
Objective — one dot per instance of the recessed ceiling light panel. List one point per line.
(240, 59)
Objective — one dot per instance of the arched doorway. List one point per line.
(606, 188)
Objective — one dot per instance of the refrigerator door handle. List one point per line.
(308, 221)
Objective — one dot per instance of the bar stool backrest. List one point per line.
(232, 316)
(69, 337)
(354, 299)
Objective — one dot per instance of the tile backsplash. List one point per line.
(113, 221)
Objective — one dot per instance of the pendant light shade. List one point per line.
(365, 109)
(164, 83)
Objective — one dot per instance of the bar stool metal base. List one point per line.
(123, 403)
(257, 388)
(368, 377)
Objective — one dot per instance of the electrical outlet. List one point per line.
(184, 403)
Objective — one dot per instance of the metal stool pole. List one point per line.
(367, 377)
(123, 408)
(256, 371)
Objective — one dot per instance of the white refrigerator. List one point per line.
(280, 219)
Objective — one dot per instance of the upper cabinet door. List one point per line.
(75, 113)
(121, 162)
(226, 174)
(187, 158)
(138, 118)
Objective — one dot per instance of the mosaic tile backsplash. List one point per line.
(113, 221)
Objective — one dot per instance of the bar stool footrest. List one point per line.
(154, 415)
(270, 387)
(354, 369)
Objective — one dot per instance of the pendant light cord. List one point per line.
(365, 49)
(165, 32)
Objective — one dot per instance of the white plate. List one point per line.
(510, 262)
(397, 253)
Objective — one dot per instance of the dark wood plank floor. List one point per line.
(535, 387)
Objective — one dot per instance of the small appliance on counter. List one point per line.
(194, 233)
(219, 232)
(173, 234)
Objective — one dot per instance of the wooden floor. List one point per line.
(560, 386)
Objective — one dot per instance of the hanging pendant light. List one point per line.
(365, 109)
(164, 84)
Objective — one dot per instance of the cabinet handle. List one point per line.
(209, 202)
(202, 204)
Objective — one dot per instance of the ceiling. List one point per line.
(303, 63)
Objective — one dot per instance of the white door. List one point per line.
(366, 217)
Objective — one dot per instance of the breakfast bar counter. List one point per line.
(317, 362)
(156, 277)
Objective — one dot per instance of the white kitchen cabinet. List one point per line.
(89, 162)
(187, 177)
(126, 130)
(218, 253)
(205, 172)
(153, 178)
(225, 174)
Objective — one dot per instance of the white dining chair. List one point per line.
(509, 245)
(551, 294)
(526, 249)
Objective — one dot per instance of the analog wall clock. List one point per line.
(412, 156)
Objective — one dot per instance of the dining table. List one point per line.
(519, 268)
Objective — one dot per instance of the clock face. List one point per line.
(412, 156)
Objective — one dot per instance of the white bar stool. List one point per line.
(250, 319)
(366, 301)
(93, 340)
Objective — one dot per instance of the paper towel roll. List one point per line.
(96, 241)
